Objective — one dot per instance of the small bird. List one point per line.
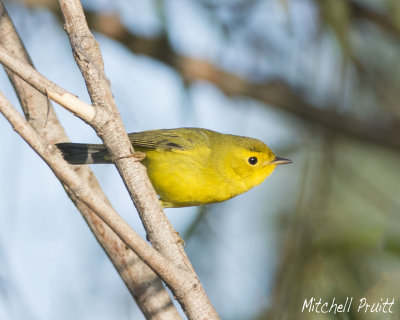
(191, 166)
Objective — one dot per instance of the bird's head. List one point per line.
(252, 160)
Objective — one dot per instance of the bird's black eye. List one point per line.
(253, 160)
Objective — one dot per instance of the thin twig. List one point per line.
(77, 106)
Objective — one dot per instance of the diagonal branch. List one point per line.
(109, 127)
(184, 289)
(172, 275)
(361, 11)
(69, 101)
(141, 281)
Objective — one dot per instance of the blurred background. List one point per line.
(317, 80)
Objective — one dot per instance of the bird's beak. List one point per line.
(279, 160)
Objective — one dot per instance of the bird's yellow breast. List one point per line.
(195, 177)
(183, 178)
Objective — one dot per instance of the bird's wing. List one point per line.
(170, 139)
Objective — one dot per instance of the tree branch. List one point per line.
(109, 127)
(141, 281)
(171, 274)
(182, 281)
(363, 12)
(78, 107)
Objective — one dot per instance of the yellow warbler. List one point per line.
(191, 166)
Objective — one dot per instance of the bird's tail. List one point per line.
(81, 153)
